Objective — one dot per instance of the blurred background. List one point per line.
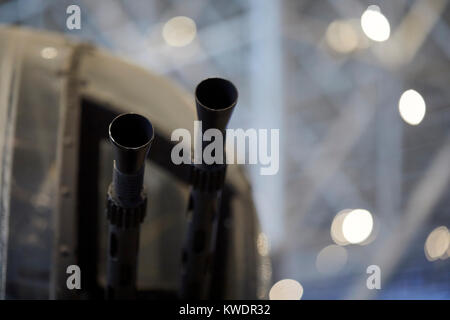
(359, 91)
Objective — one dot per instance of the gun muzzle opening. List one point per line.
(131, 135)
(216, 94)
(131, 131)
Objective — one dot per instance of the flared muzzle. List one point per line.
(215, 99)
(131, 135)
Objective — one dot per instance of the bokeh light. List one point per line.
(49, 53)
(375, 25)
(357, 225)
(341, 36)
(331, 259)
(179, 31)
(437, 243)
(412, 107)
(287, 289)
(336, 228)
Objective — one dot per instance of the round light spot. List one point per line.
(341, 36)
(179, 31)
(336, 228)
(375, 25)
(49, 53)
(357, 225)
(437, 243)
(331, 259)
(286, 289)
(412, 107)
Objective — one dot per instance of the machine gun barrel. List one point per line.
(215, 101)
(131, 136)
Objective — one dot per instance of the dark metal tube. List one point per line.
(215, 100)
(131, 136)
